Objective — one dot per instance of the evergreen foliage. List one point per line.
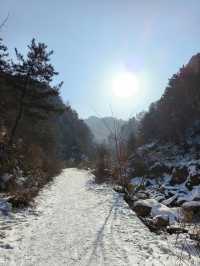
(178, 108)
(39, 134)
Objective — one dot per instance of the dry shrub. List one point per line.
(103, 165)
(115, 173)
(102, 173)
(22, 199)
(131, 188)
(52, 167)
(35, 156)
(39, 165)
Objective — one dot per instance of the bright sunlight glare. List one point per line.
(125, 85)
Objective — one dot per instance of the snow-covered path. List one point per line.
(82, 224)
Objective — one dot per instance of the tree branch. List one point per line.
(4, 21)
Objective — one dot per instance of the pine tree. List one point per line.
(4, 62)
(33, 77)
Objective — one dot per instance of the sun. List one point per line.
(125, 85)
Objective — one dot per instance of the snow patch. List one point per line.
(158, 209)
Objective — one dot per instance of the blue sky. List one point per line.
(94, 40)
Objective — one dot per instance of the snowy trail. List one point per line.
(82, 224)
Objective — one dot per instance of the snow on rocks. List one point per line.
(143, 207)
(191, 204)
(173, 215)
(171, 179)
(155, 209)
(194, 175)
(179, 175)
(5, 207)
(191, 210)
(161, 221)
(193, 195)
(169, 200)
(5, 179)
(137, 181)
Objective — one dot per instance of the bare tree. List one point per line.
(4, 21)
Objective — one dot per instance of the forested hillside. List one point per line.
(39, 134)
(159, 166)
(178, 109)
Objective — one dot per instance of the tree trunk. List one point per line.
(20, 112)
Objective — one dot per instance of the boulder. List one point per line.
(194, 180)
(194, 176)
(189, 186)
(170, 201)
(158, 169)
(142, 211)
(191, 210)
(188, 215)
(179, 175)
(143, 207)
(142, 195)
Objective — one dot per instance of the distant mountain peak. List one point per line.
(103, 127)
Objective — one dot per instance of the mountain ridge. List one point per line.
(103, 127)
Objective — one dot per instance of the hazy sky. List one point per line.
(95, 40)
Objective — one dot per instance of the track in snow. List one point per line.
(78, 223)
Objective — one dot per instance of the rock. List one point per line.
(143, 207)
(142, 211)
(195, 237)
(148, 183)
(161, 221)
(129, 200)
(5, 207)
(7, 182)
(179, 175)
(119, 189)
(173, 214)
(192, 205)
(142, 195)
(191, 210)
(194, 180)
(189, 186)
(2, 234)
(6, 177)
(176, 230)
(149, 223)
(188, 216)
(170, 201)
(159, 169)
(194, 176)
(137, 184)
